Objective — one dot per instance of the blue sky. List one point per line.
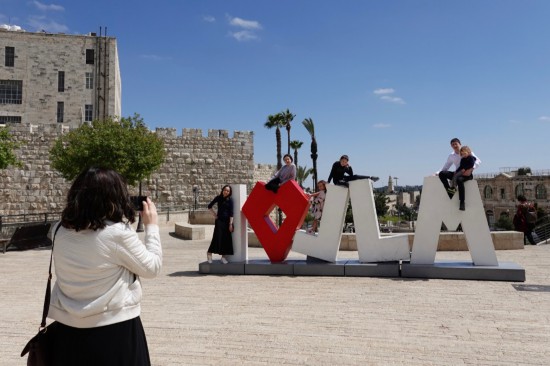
(387, 82)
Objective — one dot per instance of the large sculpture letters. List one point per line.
(435, 208)
(371, 246)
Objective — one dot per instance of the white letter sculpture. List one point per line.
(370, 245)
(240, 232)
(436, 207)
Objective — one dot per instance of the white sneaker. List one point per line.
(209, 257)
(224, 261)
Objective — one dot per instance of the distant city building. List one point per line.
(499, 191)
(50, 78)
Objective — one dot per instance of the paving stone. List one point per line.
(195, 319)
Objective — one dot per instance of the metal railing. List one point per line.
(543, 233)
(8, 223)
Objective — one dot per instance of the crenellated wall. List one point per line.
(207, 162)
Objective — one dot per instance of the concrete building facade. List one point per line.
(50, 78)
(499, 192)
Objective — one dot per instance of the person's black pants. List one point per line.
(445, 177)
(460, 183)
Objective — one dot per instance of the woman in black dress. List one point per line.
(222, 241)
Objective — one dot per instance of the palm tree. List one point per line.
(286, 120)
(310, 127)
(302, 172)
(275, 121)
(295, 145)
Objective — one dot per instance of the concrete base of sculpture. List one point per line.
(504, 271)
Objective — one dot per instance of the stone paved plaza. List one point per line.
(193, 319)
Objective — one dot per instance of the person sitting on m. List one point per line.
(454, 159)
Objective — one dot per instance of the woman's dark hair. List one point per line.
(522, 198)
(230, 191)
(290, 156)
(97, 195)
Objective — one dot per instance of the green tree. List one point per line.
(286, 121)
(302, 173)
(504, 222)
(295, 145)
(310, 127)
(126, 146)
(381, 203)
(274, 121)
(7, 147)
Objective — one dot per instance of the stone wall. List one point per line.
(264, 172)
(207, 162)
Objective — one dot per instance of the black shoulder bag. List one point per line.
(40, 347)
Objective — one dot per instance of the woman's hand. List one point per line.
(149, 214)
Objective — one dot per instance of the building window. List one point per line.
(502, 194)
(90, 56)
(88, 113)
(89, 80)
(519, 190)
(10, 56)
(60, 111)
(61, 81)
(488, 191)
(10, 119)
(11, 91)
(540, 192)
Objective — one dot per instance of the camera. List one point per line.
(137, 202)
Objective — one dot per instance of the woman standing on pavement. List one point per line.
(99, 259)
(222, 241)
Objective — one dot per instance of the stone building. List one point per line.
(50, 78)
(499, 191)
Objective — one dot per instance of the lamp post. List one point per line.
(139, 228)
(395, 183)
(196, 197)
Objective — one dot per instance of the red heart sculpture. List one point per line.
(294, 203)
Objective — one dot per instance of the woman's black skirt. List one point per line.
(119, 344)
(222, 241)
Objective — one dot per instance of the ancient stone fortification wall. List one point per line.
(264, 172)
(207, 162)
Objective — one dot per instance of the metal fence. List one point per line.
(543, 233)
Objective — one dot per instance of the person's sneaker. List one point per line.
(462, 208)
(224, 261)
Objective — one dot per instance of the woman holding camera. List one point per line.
(222, 241)
(99, 260)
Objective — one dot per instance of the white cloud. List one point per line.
(384, 91)
(544, 118)
(248, 28)
(246, 24)
(209, 19)
(42, 23)
(396, 100)
(11, 27)
(381, 125)
(50, 7)
(384, 94)
(244, 35)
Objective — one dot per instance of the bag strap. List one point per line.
(47, 297)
